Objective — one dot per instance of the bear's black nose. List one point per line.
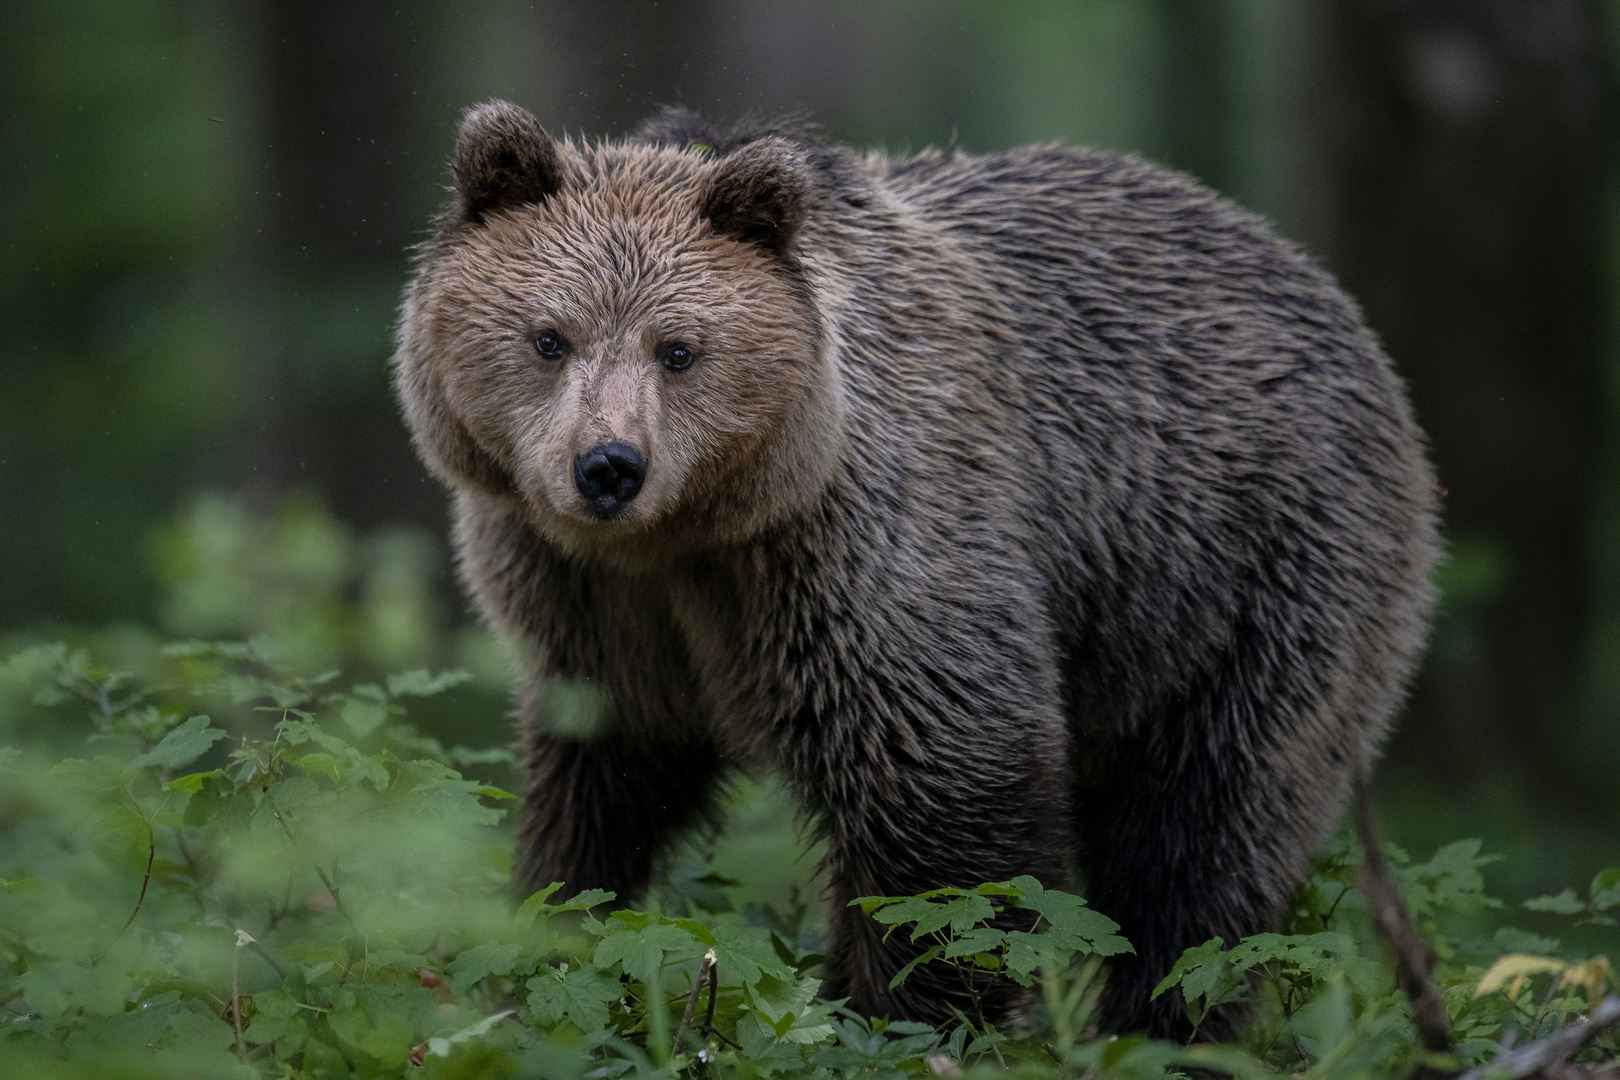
(609, 477)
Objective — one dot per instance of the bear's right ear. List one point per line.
(504, 158)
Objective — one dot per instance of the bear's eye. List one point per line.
(676, 355)
(550, 344)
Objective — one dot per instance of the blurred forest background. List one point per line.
(206, 211)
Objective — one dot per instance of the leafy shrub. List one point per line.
(250, 872)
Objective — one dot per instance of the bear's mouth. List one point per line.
(607, 508)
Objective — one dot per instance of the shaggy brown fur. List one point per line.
(1036, 512)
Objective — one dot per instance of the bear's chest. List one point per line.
(728, 630)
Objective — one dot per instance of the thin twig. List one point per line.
(1555, 1049)
(1328, 918)
(714, 993)
(703, 977)
(1287, 1003)
(708, 1027)
(1414, 959)
(151, 855)
(236, 997)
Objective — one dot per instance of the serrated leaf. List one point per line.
(980, 939)
(580, 995)
(747, 955)
(917, 961)
(1191, 960)
(182, 746)
(531, 908)
(640, 952)
(479, 962)
(588, 899)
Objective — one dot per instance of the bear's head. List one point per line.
(618, 340)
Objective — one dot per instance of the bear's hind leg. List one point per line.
(1201, 827)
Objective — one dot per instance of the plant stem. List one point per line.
(151, 855)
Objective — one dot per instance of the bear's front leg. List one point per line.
(914, 794)
(597, 813)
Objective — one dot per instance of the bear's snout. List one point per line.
(608, 477)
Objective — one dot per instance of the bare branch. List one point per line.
(704, 976)
(1414, 959)
(1555, 1049)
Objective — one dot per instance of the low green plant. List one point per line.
(251, 871)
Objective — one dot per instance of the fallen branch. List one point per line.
(1555, 1049)
(1414, 959)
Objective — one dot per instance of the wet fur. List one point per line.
(1036, 512)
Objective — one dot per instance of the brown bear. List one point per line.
(1035, 513)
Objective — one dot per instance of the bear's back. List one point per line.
(1208, 405)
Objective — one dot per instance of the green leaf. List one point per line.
(191, 783)
(425, 684)
(747, 954)
(1565, 903)
(105, 773)
(926, 956)
(640, 952)
(1071, 924)
(317, 765)
(580, 995)
(788, 1009)
(1190, 961)
(182, 746)
(536, 905)
(588, 899)
(479, 962)
(274, 1011)
(1606, 889)
(439, 1046)
(951, 908)
(980, 939)
(363, 717)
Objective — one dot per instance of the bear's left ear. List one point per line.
(757, 194)
(504, 158)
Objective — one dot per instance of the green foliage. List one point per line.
(1602, 895)
(1322, 1001)
(976, 938)
(252, 871)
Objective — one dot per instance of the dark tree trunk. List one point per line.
(1452, 167)
(337, 199)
